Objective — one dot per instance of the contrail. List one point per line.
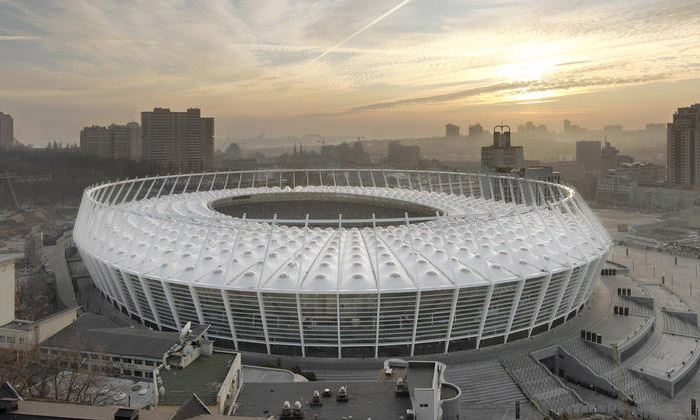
(359, 31)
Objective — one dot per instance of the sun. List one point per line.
(528, 70)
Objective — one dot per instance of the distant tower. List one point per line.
(501, 155)
(683, 147)
(181, 141)
(6, 131)
(451, 130)
(476, 131)
(501, 137)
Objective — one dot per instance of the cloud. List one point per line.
(552, 84)
(361, 30)
(17, 38)
(270, 58)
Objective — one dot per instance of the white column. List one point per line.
(134, 298)
(298, 285)
(197, 305)
(171, 303)
(149, 299)
(560, 296)
(138, 191)
(261, 303)
(229, 316)
(485, 310)
(187, 183)
(582, 278)
(453, 310)
(172, 189)
(338, 279)
(513, 309)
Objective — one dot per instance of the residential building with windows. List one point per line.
(113, 142)
(18, 333)
(6, 131)
(501, 154)
(683, 146)
(179, 141)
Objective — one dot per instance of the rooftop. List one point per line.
(35, 410)
(421, 375)
(263, 374)
(17, 324)
(202, 377)
(192, 408)
(96, 333)
(366, 400)
(10, 257)
(7, 391)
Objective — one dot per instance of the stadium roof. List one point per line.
(182, 239)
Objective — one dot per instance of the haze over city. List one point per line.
(338, 209)
(387, 69)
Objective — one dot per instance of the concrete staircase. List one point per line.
(679, 326)
(350, 375)
(484, 383)
(638, 308)
(539, 384)
(635, 386)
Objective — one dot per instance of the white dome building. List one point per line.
(343, 263)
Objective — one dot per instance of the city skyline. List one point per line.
(378, 69)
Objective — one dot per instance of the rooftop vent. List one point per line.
(316, 399)
(126, 414)
(342, 394)
(8, 404)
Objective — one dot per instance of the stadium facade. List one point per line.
(419, 263)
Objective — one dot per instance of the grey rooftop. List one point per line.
(377, 400)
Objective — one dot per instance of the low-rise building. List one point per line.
(405, 157)
(541, 173)
(128, 352)
(18, 333)
(16, 409)
(614, 187)
(22, 335)
(663, 198)
(113, 142)
(215, 377)
(407, 390)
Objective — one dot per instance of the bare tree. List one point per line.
(69, 375)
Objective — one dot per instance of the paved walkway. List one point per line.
(56, 260)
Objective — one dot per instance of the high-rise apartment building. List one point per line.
(610, 158)
(120, 139)
(588, 153)
(181, 141)
(135, 141)
(113, 142)
(95, 140)
(6, 131)
(476, 131)
(400, 156)
(451, 130)
(683, 146)
(501, 154)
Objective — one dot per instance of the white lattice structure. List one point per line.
(503, 258)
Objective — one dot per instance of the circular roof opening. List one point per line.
(324, 209)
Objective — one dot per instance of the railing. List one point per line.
(524, 192)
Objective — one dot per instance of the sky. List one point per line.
(372, 68)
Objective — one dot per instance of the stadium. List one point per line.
(343, 263)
